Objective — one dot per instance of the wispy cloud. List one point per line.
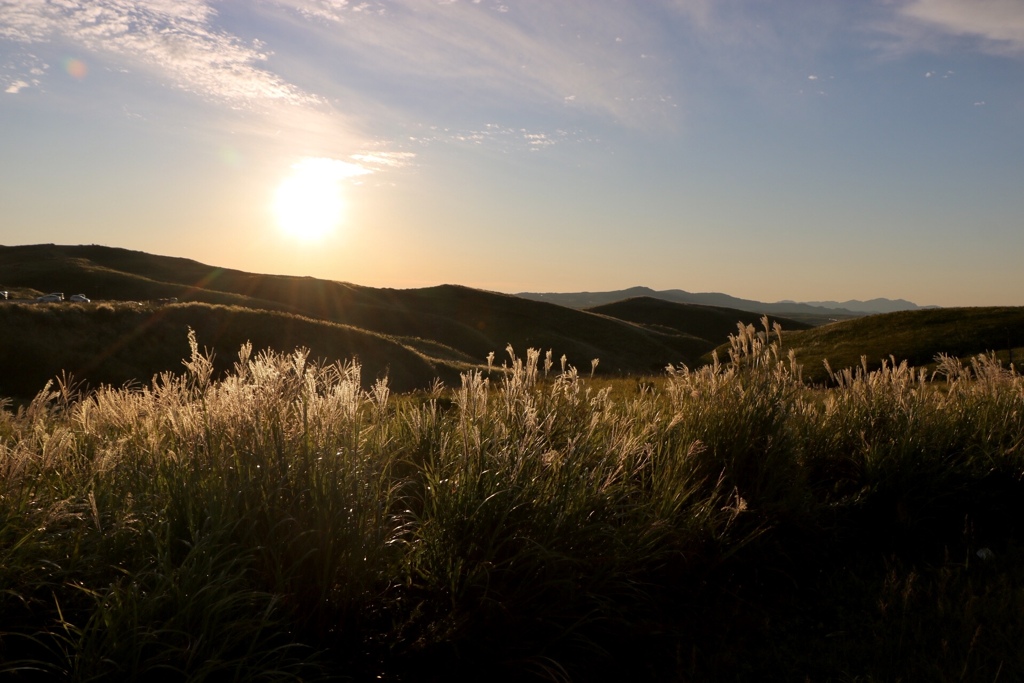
(173, 38)
(377, 160)
(529, 59)
(15, 87)
(22, 73)
(183, 45)
(600, 57)
(996, 26)
(330, 170)
(499, 137)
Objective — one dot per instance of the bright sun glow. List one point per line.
(308, 203)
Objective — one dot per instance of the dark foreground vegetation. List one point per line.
(725, 523)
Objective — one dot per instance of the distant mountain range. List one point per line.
(815, 312)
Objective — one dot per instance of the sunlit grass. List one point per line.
(281, 522)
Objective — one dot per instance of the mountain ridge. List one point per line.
(818, 311)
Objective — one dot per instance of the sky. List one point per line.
(804, 150)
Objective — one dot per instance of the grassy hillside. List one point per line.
(708, 326)
(112, 274)
(105, 343)
(462, 325)
(471, 323)
(914, 336)
(478, 322)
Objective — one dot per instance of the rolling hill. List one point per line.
(126, 343)
(414, 335)
(709, 324)
(914, 336)
(447, 326)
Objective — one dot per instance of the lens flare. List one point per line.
(76, 68)
(230, 156)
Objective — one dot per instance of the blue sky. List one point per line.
(806, 150)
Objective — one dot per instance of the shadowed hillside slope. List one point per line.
(469, 322)
(118, 343)
(914, 336)
(109, 273)
(478, 322)
(707, 326)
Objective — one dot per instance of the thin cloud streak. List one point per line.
(997, 24)
(602, 59)
(385, 159)
(175, 39)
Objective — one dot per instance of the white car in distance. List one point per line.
(52, 297)
(80, 298)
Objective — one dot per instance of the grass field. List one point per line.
(291, 521)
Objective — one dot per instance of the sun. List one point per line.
(308, 204)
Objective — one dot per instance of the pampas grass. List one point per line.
(281, 523)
